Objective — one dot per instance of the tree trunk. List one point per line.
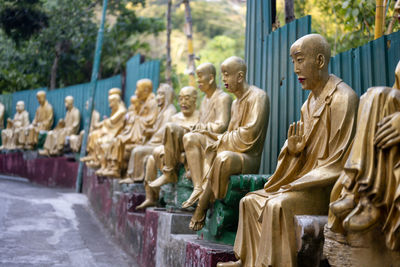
(189, 34)
(54, 67)
(289, 11)
(168, 70)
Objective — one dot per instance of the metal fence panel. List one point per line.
(270, 68)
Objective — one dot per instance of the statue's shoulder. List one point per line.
(344, 92)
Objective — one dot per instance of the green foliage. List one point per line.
(70, 31)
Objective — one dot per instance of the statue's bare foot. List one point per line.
(166, 178)
(100, 172)
(193, 197)
(44, 152)
(147, 203)
(113, 173)
(198, 220)
(343, 206)
(364, 216)
(86, 159)
(230, 264)
(126, 181)
(93, 164)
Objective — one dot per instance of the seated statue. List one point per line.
(41, 123)
(108, 128)
(56, 138)
(15, 127)
(236, 151)
(75, 140)
(139, 154)
(308, 165)
(2, 112)
(186, 119)
(214, 119)
(367, 192)
(151, 116)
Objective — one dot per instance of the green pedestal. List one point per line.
(222, 218)
(41, 140)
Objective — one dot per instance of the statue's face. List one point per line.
(187, 101)
(41, 98)
(231, 77)
(113, 102)
(20, 107)
(204, 79)
(69, 103)
(306, 66)
(161, 97)
(142, 92)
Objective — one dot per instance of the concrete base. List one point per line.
(154, 237)
(52, 172)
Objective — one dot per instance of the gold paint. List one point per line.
(108, 129)
(367, 192)
(308, 165)
(180, 122)
(56, 138)
(42, 122)
(15, 127)
(236, 151)
(186, 145)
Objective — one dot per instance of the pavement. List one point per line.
(42, 226)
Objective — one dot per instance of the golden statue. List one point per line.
(56, 138)
(308, 165)
(368, 190)
(74, 140)
(118, 150)
(42, 122)
(139, 154)
(15, 127)
(186, 119)
(2, 112)
(236, 151)
(108, 128)
(214, 119)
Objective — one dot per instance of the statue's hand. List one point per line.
(388, 132)
(296, 138)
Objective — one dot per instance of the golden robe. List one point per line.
(10, 135)
(139, 155)
(109, 129)
(239, 149)
(75, 141)
(214, 118)
(55, 139)
(370, 171)
(132, 134)
(42, 122)
(301, 184)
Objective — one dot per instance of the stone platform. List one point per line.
(52, 172)
(154, 237)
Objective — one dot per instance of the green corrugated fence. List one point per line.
(270, 67)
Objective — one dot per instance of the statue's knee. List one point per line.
(188, 139)
(224, 156)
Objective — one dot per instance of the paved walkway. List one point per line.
(52, 227)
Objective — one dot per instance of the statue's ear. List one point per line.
(240, 77)
(212, 79)
(321, 61)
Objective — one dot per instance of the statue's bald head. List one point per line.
(187, 100)
(144, 87)
(312, 45)
(20, 106)
(41, 97)
(235, 63)
(207, 68)
(69, 102)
